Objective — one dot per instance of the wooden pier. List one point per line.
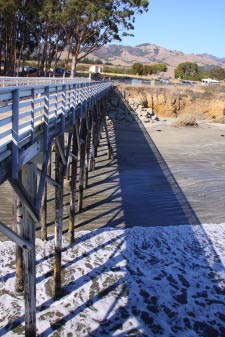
(44, 129)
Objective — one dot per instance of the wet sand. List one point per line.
(196, 158)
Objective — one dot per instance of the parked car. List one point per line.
(187, 83)
(60, 72)
(27, 70)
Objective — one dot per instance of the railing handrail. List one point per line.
(21, 81)
(24, 108)
(52, 85)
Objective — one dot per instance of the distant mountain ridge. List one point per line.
(148, 53)
(220, 59)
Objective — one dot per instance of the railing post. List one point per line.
(15, 134)
(74, 104)
(56, 106)
(32, 114)
(63, 109)
(46, 116)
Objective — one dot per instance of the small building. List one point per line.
(94, 72)
(95, 69)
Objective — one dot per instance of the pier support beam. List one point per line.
(100, 124)
(83, 133)
(18, 228)
(94, 131)
(88, 144)
(110, 149)
(30, 184)
(44, 208)
(59, 177)
(74, 156)
(69, 163)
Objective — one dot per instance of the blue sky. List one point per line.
(191, 26)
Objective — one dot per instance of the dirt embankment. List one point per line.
(204, 102)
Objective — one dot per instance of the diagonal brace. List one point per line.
(67, 153)
(48, 179)
(22, 243)
(62, 154)
(42, 181)
(22, 194)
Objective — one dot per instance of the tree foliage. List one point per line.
(144, 69)
(51, 26)
(217, 73)
(191, 71)
(187, 70)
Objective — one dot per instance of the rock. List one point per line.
(186, 120)
(148, 115)
(155, 118)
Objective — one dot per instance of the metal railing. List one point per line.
(21, 81)
(24, 108)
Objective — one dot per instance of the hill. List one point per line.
(149, 54)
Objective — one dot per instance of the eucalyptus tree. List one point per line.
(52, 26)
(16, 26)
(88, 25)
(50, 35)
(25, 27)
(8, 11)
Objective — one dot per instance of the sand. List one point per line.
(196, 158)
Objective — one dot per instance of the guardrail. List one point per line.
(24, 108)
(20, 81)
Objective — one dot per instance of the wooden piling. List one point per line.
(44, 209)
(69, 164)
(29, 183)
(88, 144)
(73, 186)
(59, 177)
(94, 135)
(110, 149)
(100, 126)
(18, 228)
(83, 132)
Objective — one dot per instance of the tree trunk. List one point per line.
(68, 56)
(73, 65)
